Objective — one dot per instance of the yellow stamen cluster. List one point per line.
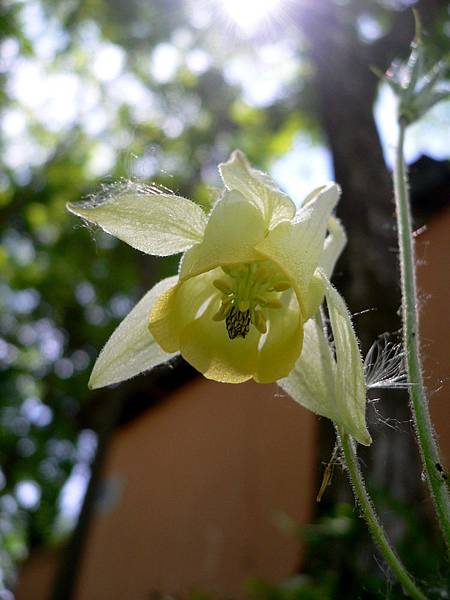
(248, 289)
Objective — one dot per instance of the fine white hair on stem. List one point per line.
(384, 365)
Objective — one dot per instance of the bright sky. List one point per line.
(429, 136)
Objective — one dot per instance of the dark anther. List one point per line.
(237, 323)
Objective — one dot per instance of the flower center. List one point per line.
(246, 290)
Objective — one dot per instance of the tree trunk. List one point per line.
(64, 587)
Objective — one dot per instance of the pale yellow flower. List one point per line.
(245, 303)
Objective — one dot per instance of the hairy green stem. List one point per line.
(418, 399)
(376, 529)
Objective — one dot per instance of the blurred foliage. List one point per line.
(352, 577)
(91, 92)
(347, 572)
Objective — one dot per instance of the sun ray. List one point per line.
(249, 15)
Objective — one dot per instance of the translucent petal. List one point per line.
(205, 345)
(311, 382)
(297, 247)
(234, 228)
(282, 344)
(178, 306)
(314, 296)
(350, 388)
(334, 244)
(131, 349)
(151, 221)
(258, 188)
(313, 195)
(316, 380)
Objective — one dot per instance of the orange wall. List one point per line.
(433, 253)
(202, 479)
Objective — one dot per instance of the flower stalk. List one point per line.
(419, 404)
(371, 517)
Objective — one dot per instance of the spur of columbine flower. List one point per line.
(246, 301)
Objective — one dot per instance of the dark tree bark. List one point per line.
(64, 587)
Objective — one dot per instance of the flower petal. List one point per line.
(234, 228)
(151, 221)
(313, 195)
(350, 387)
(311, 382)
(331, 388)
(297, 247)
(177, 306)
(259, 188)
(314, 296)
(131, 349)
(334, 244)
(205, 345)
(282, 344)
(315, 380)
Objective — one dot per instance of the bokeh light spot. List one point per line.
(249, 15)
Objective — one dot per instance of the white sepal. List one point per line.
(311, 382)
(350, 386)
(259, 189)
(131, 349)
(145, 218)
(333, 387)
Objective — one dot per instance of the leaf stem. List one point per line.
(376, 529)
(418, 399)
